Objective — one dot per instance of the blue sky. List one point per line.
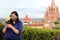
(34, 8)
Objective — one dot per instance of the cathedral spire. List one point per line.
(53, 3)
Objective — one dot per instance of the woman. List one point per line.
(13, 28)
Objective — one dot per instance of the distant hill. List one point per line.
(2, 19)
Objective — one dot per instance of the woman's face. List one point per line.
(13, 17)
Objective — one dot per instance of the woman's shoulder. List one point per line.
(20, 22)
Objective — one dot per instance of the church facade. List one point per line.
(51, 13)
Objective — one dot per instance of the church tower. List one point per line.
(51, 13)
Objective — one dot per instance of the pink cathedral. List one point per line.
(51, 13)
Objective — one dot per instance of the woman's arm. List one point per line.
(13, 28)
(19, 28)
(4, 29)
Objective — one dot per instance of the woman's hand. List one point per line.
(9, 26)
(5, 28)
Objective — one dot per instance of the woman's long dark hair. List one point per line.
(17, 20)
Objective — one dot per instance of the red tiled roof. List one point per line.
(26, 18)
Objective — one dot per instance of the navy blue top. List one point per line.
(10, 34)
